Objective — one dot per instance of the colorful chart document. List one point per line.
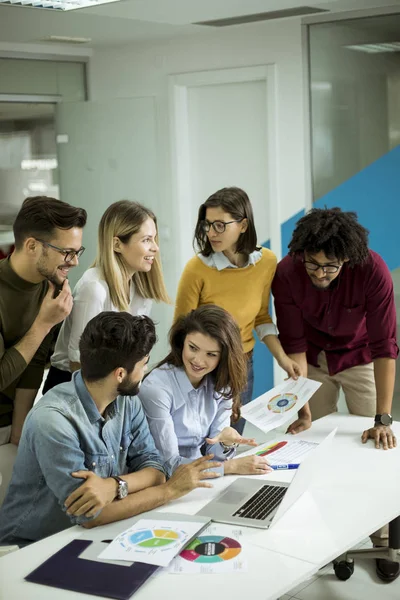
(281, 404)
(152, 542)
(283, 452)
(219, 549)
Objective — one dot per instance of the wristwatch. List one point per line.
(122, 487)
(383, 419)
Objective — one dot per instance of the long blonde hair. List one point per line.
(122, 219)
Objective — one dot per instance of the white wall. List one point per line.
(144, 70)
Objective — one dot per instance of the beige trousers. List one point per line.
(358, 385)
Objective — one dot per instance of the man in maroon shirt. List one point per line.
(336, 318)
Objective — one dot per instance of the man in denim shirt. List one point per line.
(93, 429)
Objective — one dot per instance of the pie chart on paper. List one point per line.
(282, 403)
(211, 549)
(146, 540)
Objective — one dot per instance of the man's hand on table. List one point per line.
(381, 434)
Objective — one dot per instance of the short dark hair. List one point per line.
(235, 202)
(111, 340)
(40, 215)
(336, 233)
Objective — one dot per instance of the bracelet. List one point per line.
(226, 448)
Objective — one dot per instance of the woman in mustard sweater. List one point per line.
(231, 271)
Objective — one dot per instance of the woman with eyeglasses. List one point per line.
(232, 271)
(190, 396)
(126, 276)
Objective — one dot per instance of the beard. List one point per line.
(49, 275)
(130, 388)
(46, 273)
(325, 287)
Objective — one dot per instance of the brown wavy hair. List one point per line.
(230, 375)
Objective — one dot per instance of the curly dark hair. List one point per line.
(336, 233)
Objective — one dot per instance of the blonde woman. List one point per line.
(126, 276)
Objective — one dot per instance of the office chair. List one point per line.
(344, 565)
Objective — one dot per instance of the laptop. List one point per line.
(261, 504)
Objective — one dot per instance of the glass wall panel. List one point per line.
(28, 160)
(355, 130)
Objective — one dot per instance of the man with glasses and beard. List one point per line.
(336, 318)
(34, 298)
(86, 455)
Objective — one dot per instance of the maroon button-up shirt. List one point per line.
(353, 321)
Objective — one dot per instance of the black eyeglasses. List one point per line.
(312, 266)
(218, 226)
(68, 254)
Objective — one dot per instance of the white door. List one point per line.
(225, 136)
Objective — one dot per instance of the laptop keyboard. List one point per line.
(262, 503)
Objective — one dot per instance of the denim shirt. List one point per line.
(63, 433)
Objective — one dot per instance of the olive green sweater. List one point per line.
(20, 302)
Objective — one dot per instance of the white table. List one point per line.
(359, 492)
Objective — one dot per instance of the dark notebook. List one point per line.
(67, 571)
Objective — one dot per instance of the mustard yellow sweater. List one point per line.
(244, 292)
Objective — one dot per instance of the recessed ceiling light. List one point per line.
(376, 48)
(56, 4)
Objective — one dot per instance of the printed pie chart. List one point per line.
(147, 539)
(211, 549)
(282, 402)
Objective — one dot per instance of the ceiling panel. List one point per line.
(136, 20)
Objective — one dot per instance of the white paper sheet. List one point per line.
(281, 404)
(283, 451)
(218, 549)
(152, 542)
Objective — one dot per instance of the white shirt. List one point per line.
(219, 261)
(91, 297)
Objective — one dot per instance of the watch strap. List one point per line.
(383, 419)
(120, 484)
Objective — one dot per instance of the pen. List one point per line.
(285, 467)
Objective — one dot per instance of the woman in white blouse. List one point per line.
(126, 276)
(190, 396)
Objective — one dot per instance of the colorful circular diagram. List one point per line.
(211, 549)
(146, 540)
(282, 402)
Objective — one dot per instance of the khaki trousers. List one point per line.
(358, 385)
